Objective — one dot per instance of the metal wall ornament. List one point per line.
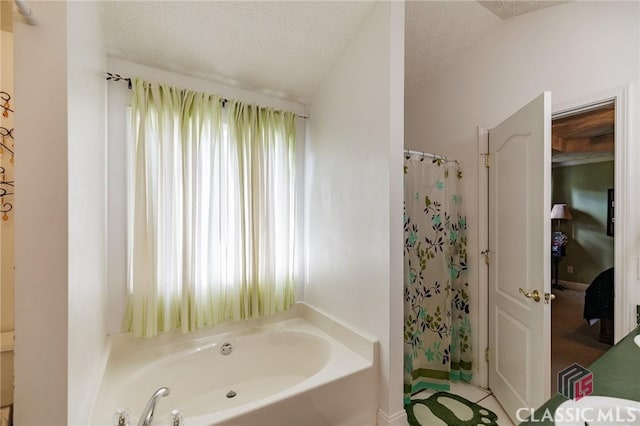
(6, 105)
(117, 77)
(6, 190)
(6, 146)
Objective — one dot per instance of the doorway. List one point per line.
(582, 242)
(541, 241)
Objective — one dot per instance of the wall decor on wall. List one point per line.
(6, 146)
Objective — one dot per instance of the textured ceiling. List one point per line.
(505, 9)
(437, 31)
(283, 49)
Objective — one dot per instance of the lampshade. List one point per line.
(561, 211)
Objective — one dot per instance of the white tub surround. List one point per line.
(303, 370)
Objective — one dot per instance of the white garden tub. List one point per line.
(289, 372)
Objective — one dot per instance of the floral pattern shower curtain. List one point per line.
(437, 334)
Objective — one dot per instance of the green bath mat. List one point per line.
(446, 409)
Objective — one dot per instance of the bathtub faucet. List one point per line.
(147, 413)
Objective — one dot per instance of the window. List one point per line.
(211, 213)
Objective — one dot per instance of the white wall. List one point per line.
(87, 221)
(574, 50)
(353, 205)
(41, 218)
(60, 213)
(119, 97)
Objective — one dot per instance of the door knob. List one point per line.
(548, 297)
(535, 294)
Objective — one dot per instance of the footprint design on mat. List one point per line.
(443, 408)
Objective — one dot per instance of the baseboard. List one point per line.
(397, 419)
(476, 378)
(574, 285)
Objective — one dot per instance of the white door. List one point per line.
(520, 245)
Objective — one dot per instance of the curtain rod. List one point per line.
(117, 77)
(409, 152)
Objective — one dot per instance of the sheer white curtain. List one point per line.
(211, 221)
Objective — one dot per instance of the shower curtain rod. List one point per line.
(429, 155)
(109, 76)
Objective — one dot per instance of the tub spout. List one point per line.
(147, 413)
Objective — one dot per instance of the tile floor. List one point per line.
(482, 397)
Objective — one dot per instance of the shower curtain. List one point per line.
(437, 334)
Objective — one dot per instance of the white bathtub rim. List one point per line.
(358, 341)
(212, 342)
(304, 323)
(132, 354)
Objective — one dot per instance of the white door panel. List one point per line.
(520, 241)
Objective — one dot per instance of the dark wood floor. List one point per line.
(572, 339)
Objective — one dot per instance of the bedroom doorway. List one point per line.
(540, 242)
(582, 251)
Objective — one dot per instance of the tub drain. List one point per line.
(231, 394)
